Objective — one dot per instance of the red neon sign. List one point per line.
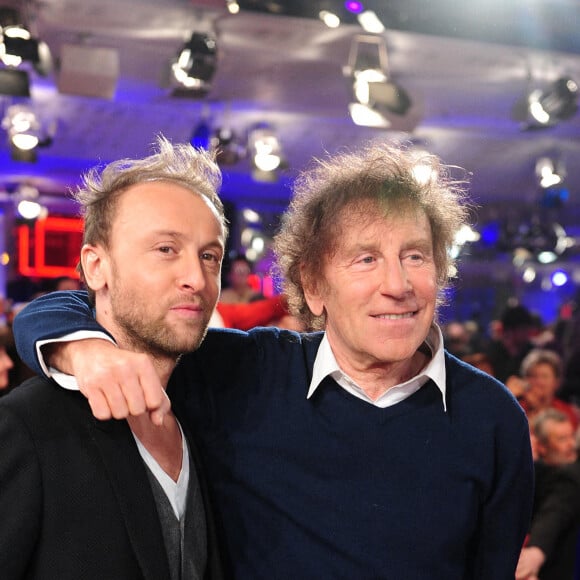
(50, 248)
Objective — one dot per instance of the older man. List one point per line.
(363, 451)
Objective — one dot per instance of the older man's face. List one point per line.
(381, 291)
(559, 448)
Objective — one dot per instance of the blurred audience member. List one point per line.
(239, 288)
(507, 351)
(555, 438)
(456, 338)
(6, 363)
(550, 550)
(570, 330)
(480, 361)
(543, 335)
(542, 373)
(65, 283)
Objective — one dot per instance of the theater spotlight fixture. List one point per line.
(27, 203)
(25, 132)
(19, 46)
(558, 102)
(549, 172)
(195, 66)
(376, 97)
(265, 151)
(19, 50)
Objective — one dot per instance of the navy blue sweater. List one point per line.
(333, 487)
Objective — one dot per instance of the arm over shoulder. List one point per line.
(52, 316)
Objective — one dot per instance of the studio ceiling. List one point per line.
(465, 65)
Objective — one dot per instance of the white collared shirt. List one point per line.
(325, 364)
(176, 491)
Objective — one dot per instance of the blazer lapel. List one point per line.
(128, 477)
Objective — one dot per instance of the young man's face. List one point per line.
(162, 269)
(380, 292)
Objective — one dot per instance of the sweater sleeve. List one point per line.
(50, 316)
(506, 512)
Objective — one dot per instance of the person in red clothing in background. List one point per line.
(245, 315)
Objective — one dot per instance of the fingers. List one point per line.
(99, 405)
(122, 384)
(158, 415)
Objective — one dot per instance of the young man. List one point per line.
(122, 499)
(364, 451)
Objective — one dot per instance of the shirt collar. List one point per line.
(325, 364)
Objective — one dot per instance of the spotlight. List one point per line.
(558, 102)
(17, 46)
(559, 278)
(22, 127)
(25, 132)
(529, 275)
(195, 66)
(533, 238)
(266, 152)
(27, 204)
(370, 22)
(331, 19)
(221, 140)
(29, 210)
(376, 96)
(227, 146)
(549, 172)
(233, 6)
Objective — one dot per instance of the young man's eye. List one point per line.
(210, 257)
